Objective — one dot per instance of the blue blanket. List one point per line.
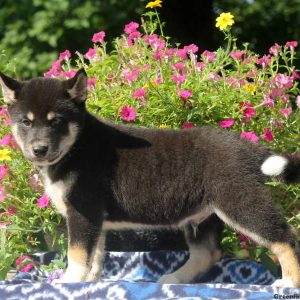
(133, 275)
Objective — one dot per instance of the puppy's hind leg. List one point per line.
(204, 247)
(255, 216)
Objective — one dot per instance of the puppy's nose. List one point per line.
(40, 150)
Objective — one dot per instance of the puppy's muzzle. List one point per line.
(40, 151)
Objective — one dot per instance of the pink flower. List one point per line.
(159, 80)
(295, 75)
(178, 79)
(91, 83)
(185, 94)
(268, 101)
(264, 61)
(4, 170)
(54, 70)
(131, 27)
(285, 111)
(192, 48)
(6, 140)
(238, 54)
(275, 50)
(247, 109)
(275, 92)
(22, 259)
(251, 136)
(201, 66)
(227, 123)
(64, 55)
(27, 268)
(158, 55)
(181, 53)
(7, 122)
(35, 183)
(127, 113)
(291, 44)
(178, 66)
(298, 101)
(68, 74)
(90, 55)
(188, 125)
(98, 37)
(3, 194)
(3, 111)
(43, 201)
(139, 93)
(208, 55)
(283, 81)
(213, 76)
(24, 263)
(130, 75)
(268, 136)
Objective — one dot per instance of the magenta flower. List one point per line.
(178, 66)
(201, 66)
(298, 101)
(285, 111)
(186, 94)
(3, 111)
(192, 48)
(4, 170)
(91, 83)
(139, 93)
(54, 70)
(238, 54)
(227, 123)
(24, 263)
(6, 140)
(91, 54)
(251, 136)
(43, 201)
(275, 50)
(130, 75)
(213, 76)
(127, 113)
(11, 211)
(131, 27)
(268, 136)
(247, 109)
(159, 80)
(295, 75)
(68, 74)
(208, 55)
(188, 125)
(158, 55)
(98, 37)
(283, 81)
(64, 55)
(3, 194)
(178, 79)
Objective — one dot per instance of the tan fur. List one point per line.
(288, 261)
(50, 115)
(30, 116)
(78, 254)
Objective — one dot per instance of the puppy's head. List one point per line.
(46, 115)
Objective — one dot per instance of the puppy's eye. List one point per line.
(26, 122)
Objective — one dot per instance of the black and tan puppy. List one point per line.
(103, 176)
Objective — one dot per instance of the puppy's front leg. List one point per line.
(83, 233)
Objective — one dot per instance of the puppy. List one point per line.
(103, 176)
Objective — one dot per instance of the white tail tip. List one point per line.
(274, 165)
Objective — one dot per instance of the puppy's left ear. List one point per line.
(10, 88)
(77, 86)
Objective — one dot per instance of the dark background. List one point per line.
(35, 31)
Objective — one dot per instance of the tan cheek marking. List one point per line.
(50, 115)
(30, 116)
(78, 254)
(288, 261)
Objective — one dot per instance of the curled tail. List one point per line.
(286, 168)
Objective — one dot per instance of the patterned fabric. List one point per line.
(132, 275)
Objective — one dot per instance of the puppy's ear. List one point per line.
(77, 86)
(10, 87)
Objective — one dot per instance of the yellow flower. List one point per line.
(251, 88)
(224, 20)
(163, 126)
(152, 4)
(4, 154)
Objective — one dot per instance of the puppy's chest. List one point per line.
(57, 192)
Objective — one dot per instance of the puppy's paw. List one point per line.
(168, 278)
(284, 283)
